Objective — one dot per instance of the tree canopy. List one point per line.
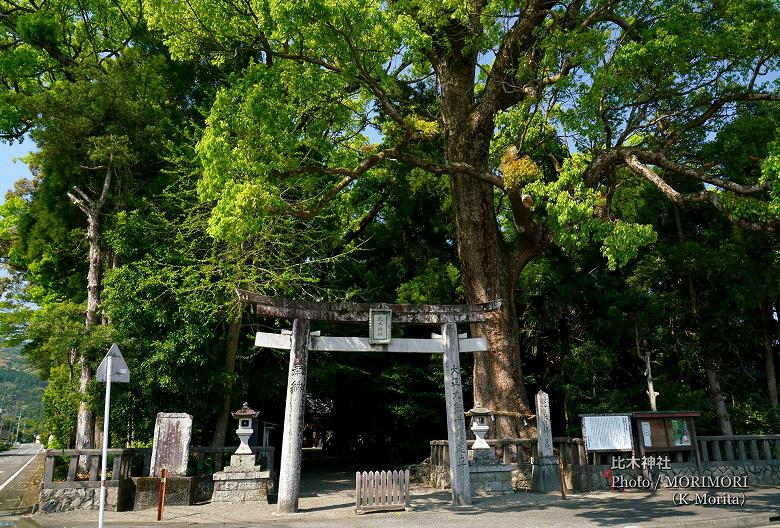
(608, 169)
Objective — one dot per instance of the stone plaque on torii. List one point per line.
(380, 318)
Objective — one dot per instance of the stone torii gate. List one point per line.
(380, 318)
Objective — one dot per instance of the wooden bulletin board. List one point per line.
(666, 431)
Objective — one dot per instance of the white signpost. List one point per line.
(112, 368)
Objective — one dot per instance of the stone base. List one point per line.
(241, 483)
(237, 461)
(72, 499)
(546, 474)
(491, 480)
(178, 491)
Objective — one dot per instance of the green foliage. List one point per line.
(21, 390)
(274, 156)
(571, 211)
(60, 405)
(434, 284)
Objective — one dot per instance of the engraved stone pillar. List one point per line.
(456, 421)
(545, 474)
(290, 470)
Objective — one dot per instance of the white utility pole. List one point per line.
(18, 421)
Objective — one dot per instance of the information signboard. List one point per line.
(609, 432)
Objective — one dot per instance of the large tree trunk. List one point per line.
(717, 396)
(231, 348)
(769, 356)
(93, 208)
(709, 365)
(486, 274)
(647, 356)
(488, 267)
(85, 423)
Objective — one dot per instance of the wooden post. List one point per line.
(290, 470)
(161, 503)
(695, 443)
(562, 476)
(48, 472)
(456, 421)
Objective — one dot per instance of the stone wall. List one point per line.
(522, 475)
(756, 474)
(178, 491)
(576, 476)
(439, 477)
(70, 499)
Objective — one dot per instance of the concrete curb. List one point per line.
(751, 520)
(27, 522)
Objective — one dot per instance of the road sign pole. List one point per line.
(104, 458)
(105, 373)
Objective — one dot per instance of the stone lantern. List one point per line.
(481, 452)
(244, 416)
(242, 480)
(487, 475)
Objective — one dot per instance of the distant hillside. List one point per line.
(21, 387)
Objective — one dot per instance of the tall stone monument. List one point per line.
(171, 448)
(545, 473)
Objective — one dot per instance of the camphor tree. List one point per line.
(534, 111)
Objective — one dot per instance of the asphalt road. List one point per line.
(17, 468)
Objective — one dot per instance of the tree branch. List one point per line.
(368, 217)
(703, 196)
(501, 90)
(78, 202)
(384, 101)
(660, 160)
(451, 168)
(714, 108)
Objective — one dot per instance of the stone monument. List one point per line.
(487, 474)
(545, 475)
(242, 480)
(171, 450)
(171, 447)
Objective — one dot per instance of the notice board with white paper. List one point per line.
(608, 432)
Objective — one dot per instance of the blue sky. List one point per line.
(10, 171)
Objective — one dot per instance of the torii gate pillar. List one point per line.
(456, 422)
(292, 435)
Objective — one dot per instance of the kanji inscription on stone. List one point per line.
(545, 443)
(171, 443)
(379, 326)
